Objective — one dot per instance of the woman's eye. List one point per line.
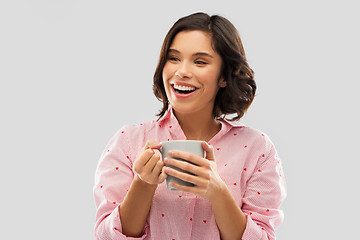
(173, 59)
(200, 62)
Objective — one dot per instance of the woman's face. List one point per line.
(191, 73)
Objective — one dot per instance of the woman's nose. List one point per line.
(183, 71)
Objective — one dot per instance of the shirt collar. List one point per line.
(170, 121)
(165, 116)
(226, 127)
(231, 123)
(170, 115)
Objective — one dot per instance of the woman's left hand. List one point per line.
(207, 180)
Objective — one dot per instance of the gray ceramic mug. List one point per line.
(190, 146)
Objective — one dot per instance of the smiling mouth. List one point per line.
(183, 89)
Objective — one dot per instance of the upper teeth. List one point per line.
(183, 88)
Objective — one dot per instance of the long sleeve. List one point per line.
(265, 191)
(112, 180)
(246, 160)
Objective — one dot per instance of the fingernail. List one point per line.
(166, 160)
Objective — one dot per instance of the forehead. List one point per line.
(193, 41)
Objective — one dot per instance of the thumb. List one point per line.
(162, 176)
(152, 144)
(209, 151)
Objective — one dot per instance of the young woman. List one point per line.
(202, 78)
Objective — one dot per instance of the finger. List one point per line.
(148, 151)
(185, 176)
(150, 165)
(145, 157)
(209, 151)
(158, 167)
(197, 160)
(152, 144)
(162, 175)
(189, 167)
(142, 160)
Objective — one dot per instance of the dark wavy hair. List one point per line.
(240, 90)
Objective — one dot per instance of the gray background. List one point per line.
(73, 72)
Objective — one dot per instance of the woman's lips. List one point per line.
(183, 90)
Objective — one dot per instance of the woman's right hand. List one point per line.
(149, 166)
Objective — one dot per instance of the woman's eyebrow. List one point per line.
(205, 54)
(171, 50)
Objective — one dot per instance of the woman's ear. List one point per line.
(222, 83)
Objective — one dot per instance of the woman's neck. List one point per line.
(198, 126)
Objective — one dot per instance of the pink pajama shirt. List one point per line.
(246, 161)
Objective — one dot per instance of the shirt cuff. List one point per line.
(111, 227)
(252, 230)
